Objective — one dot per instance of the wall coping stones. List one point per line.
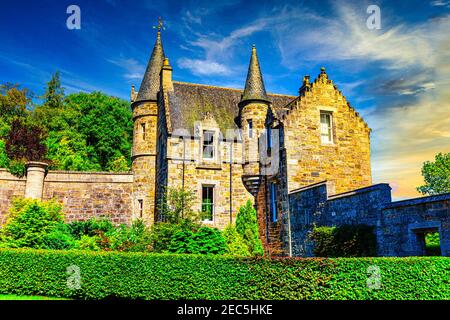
(310, 186)
(417, 201)
(378, 186)
(89, 177)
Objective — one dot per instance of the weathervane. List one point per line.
(160, 25)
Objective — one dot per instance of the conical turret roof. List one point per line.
(150, 83)
(254, 85)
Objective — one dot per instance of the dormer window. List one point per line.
(208, 144)
(326, 127)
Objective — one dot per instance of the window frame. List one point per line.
(143, 130)
(330, 128)
(141, 208)
(273, 202)
(212, 204)
(250, 128)
(212, 145)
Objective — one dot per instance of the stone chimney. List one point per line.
(166, 76)
(36, 172)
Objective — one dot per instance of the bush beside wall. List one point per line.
(164, 276)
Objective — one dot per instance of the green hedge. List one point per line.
(163, 276)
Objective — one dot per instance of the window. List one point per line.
(141, 207)
(326, 127)
(208, 202)
(250, 128)
(143, 130)
(208, 144)
(269, 138)
(273, 202)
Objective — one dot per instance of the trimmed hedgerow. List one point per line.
(171, 276)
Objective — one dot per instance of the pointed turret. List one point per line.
(150, 83)
(254, 85)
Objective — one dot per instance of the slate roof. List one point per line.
(254, 85)
(190, 102)
(150, 83)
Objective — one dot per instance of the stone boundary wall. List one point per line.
(313, 205)
(399, 226)
(83, 194)
(405, 223)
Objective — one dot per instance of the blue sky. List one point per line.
(396, 77)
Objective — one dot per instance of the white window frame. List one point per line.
(330, 129)
(214, 145)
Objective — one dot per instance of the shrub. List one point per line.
(88, 243)
(235, 244)
(247, 226)
(59, 238)
(205, 241)
(344, 241)
(29, 223)
(161, 235)
(92, 227)
(169, 276)
(134, 238)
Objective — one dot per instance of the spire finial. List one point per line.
(160, 25)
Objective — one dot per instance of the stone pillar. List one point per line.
(36, 172)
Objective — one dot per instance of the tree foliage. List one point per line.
(436, 175)
(247, 227)
(25, 141)
(81, 131)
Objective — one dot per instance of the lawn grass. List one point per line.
(16, 297)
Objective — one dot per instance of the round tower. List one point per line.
(253, 109)
(145, 117)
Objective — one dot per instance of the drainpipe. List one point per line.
(182, 178)
(231, 182)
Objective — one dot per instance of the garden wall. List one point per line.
(399, 226)
(84, 194)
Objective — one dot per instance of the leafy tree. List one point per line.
(106, 125)
(247, 226)
(4, 161)
(176, 206)
(13, 103)
(48, 113)
(436, 175)
(24, 143)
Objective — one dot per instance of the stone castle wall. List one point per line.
(219, 174)
(346, 161)
(398, 226)
(83, 194)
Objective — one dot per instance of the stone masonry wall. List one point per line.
(10, 187)
(346, 161)
(399, 226)
(83, 194)
(404, 224)
(313, 205)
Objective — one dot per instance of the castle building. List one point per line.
(228, 146)
(303, 160)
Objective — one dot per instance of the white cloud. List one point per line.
(203, 67)
(133, 70)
